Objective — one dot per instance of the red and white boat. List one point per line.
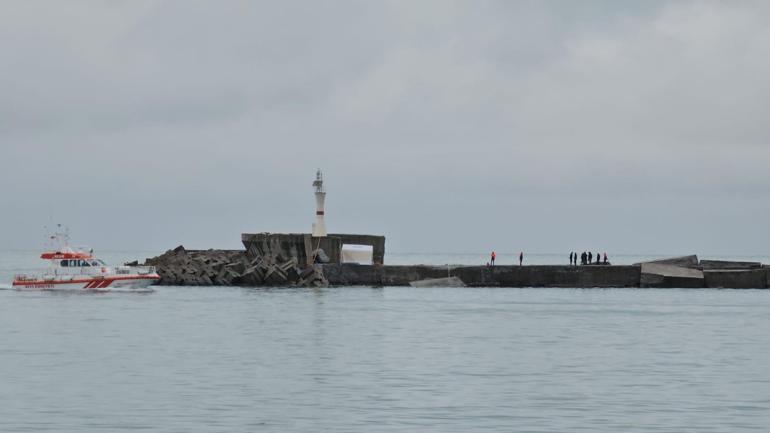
(79, 270)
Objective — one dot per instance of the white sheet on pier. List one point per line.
(361, 254)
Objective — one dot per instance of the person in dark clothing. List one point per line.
(583, 258)
(605, 258)
(590, 257)
(570, 258)
(598, 258)
(521, 257)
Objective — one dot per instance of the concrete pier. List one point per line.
(486, 276)
(282, 261)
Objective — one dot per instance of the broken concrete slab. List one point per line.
(656, 275)
(683, 261)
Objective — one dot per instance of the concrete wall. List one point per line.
(377, 243)
(291, 245)
(708, 265)
(301, 245)
(483, 276)
(550, 276)
(728, 279)
(346, 274)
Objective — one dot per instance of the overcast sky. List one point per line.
(625, 126)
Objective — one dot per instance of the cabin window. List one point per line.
(85, 263)
(65, 263)
(94, 263)
(73, 263)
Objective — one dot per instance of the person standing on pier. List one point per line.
(494, 256)
(598, 258)
(521, 257)
(605, 258)
(590, 257)
(570, 258)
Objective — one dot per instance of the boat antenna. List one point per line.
(48, 236)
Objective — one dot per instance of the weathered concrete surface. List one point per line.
(708, 265)
(484, 276)
(297, 246)
(352, 274)
(736, 279)
(683, 261)
(301, 246)
(655, 274)
(551, 276)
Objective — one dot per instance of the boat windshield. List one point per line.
(81, 263)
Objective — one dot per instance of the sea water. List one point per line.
(210, 359)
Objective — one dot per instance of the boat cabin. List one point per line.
(72, 259)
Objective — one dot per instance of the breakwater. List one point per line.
(243, 268)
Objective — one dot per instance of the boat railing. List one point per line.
(94, 271)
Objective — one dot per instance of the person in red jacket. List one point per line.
(494, 256)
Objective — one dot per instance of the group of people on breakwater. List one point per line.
(587, 258)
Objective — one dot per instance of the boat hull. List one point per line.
(107, 283)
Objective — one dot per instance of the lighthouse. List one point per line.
(319, 227)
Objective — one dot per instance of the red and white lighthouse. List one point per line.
(319, 226)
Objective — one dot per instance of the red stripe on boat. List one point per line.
(88, 282)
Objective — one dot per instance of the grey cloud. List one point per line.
(543, 125)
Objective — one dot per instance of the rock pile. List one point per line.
(232, 268)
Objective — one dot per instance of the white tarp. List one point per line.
(361, 254)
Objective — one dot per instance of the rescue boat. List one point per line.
(79, 270)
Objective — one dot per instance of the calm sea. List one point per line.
(185, 359)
